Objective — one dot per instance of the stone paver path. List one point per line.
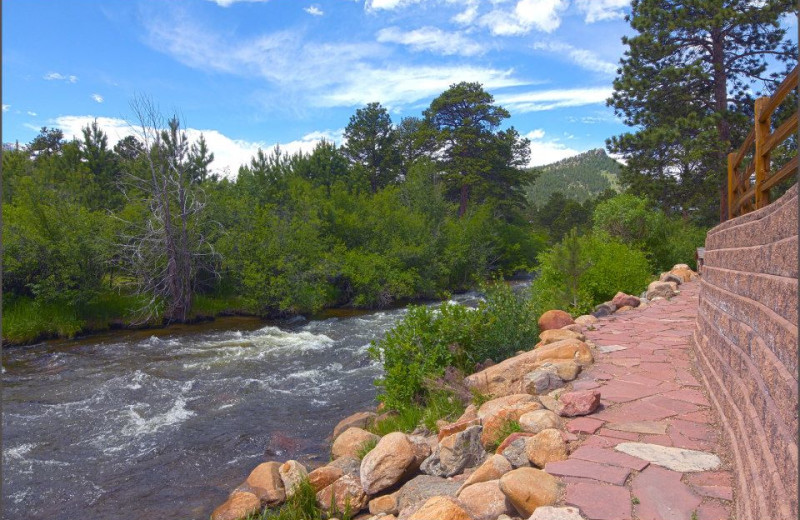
(650, 400)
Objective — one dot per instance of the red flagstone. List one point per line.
(609, 456)
(584, 425)
(662, 495)
(600, 501)
(585, 469)
(712, 511)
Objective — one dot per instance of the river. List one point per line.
(165, 423)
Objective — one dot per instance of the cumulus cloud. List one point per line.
(97, 98)
(547, 151)
(56, 76)
(314, 10)
(584, 58)
(542, 15)
(387, 5)
(30, 113)
(229, 153)
(432, 39)
(536, 101)
(6, 107)
(600, 10)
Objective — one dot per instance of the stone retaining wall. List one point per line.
(746, 344)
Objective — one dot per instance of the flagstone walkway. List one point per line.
(652, 451)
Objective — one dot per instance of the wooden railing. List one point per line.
(748, 188)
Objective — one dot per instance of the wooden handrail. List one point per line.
(742, 195)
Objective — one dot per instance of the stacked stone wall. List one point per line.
(747, 350)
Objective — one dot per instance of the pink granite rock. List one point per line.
(579, 403)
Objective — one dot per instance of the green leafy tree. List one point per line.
(371, 144)
(200, 157)
(479, 161)
(685, 86)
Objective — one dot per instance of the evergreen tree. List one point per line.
(371, 144)
(479, 161)
(685, 86)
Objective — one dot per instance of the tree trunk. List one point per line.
(720, 86)
(462, 208)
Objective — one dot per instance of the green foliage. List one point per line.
(302, 505)
(365, 448)
(604, 266)
(508, 427)
(686, 88)
(634, 221)
(428, 340)
(578, 178)
(441, 405)
(403, 419)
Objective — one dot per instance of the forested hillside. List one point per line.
(578, 178)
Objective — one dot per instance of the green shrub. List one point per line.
(604, 266)
(404, 419)
(508, 427)
(428, 340)
(302, 505)
(365, 448)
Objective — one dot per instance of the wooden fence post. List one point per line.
(762, 131)
(731, 180)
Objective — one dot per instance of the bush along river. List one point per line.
(163, 424)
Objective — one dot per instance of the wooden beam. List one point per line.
(782, 133)
(731, 172)
(784, 173)
(780, 94)
(762, 154)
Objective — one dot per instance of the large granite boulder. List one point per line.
(350, 442)
(554, 319)
(266, 483)
(455, 453)
(395, 458)
(529, 488)
(239, 505)
(492, 469)
(485, 501)
(292, 474)
(441, 508)
(358, 420)
(345, 493)
(546, 446)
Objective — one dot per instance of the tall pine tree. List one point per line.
(687, 86)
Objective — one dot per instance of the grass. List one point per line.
(509, 427)
(365, 448)
(478, 397)
(26, 320)
(404, 420)
(300, 506)
(440, 405)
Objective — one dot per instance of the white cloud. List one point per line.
(432, 39)
(388, 5)
(229, 153)
(542, 15)
(314, 10)
(547, 151)
(325, 74)
(56, 76)
(228, 3)
(6, 107)
(600, 10)
(30, 113)
(582, 57)
(98, 98)
(536, 101)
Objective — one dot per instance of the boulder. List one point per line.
(455, 453)
(669, 277)
(393, 459)
(546, 446)
(661, 290)
(554, 319)
(566, 349)
(586, 320)
(345, 493)
(495, 428)
(604, 309)
(524, 402)
(506, 378)
(348, 465)
(684, 273)
(539, 420)
(492, 469)
(351, 441)
(625, 308)
(567, 370)
(459, 426)
(386, 504)
(556, 513)
(575, 327)
(266, 483)
(542, 380)
(551, 404)
(513, 449)
(422, 487)
(440, 508)
(471, 412)
(529, 488)
(358, 420)
(239, 505)
(485, 501)
(323, 477)
(553, 335)
(621, 300)
(292, 473)
(579, 403)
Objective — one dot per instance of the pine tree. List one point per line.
(370, 144)
(686, 85)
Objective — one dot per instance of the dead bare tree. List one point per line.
(164, 252)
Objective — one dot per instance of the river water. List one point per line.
(164, 424)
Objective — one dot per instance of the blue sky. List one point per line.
(253, 73)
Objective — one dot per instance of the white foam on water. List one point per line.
(139, 425)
